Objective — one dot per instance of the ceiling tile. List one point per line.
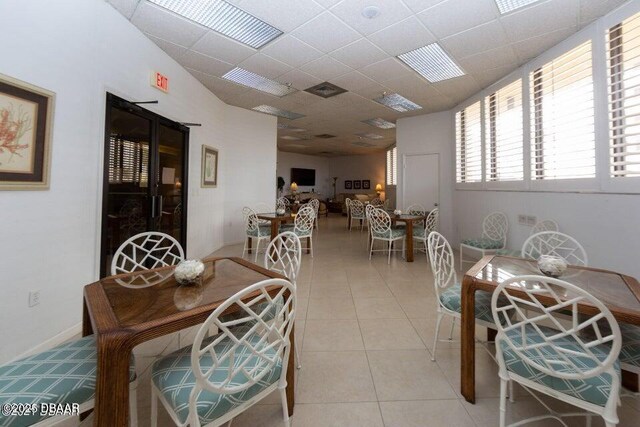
(387, 69)
(498, 57)
(299, 79)
(454, 16)
(391, 11)
(458, 89)
(316, 33)
(359, 54)
(222, 48)
(166, 25)
(593, 9)
(220, 87)
(530, 48)
(352, 81)
(265, 66)
(325, 68)
(125, 7)
(419, 5)
(173, 50)
(411, 87)
(286, 15)
(540, 19)
(402, 37)
(292, 51)
(488, 77)
(479, 39)
(205, 64)
(327, 3)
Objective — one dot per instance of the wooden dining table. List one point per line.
(408, 220)
(620, 293)
(129, 309)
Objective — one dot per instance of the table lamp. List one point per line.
(294, 187)
(378, 189)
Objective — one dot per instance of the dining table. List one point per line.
(128, 309)
(620, 293)
(276, 220)
(409, 220)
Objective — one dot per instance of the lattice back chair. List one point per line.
(254, 230)
(303, 225)
(376, 202)
(558, 360)
(380, 225)
(262, 207)
(356, 207)
(448, 290)
(543, 225)
(283, 203)
(316, 205)
(146, 251)
(495, 227)
(220, 377)
(421, 234)
(557, 244)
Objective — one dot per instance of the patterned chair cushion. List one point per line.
(420, 232)
(64, 374)
(262, 230)
(595, 389)
(509, 252)
(483, 243)
(174, 378)
(630, 352)
(394, 233)
(451, 299)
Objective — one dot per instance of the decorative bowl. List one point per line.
(187, 297)
(551, 265)
(280, 211)
(397, 212)
(189, 272)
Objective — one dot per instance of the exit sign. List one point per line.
(160, 81)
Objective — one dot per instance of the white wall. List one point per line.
(359, 167)
(430, 134)
(287, 160)
(80, 49)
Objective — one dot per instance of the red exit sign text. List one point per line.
(160, 81)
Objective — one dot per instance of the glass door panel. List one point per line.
(171, 182)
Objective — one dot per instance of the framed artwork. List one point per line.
(356, 184)
(26, 119)
(209, 166)
(366, 184)
(348, 185)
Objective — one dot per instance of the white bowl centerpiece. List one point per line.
(280, 211)
(189, 271)
(397, 212)
(551, 265)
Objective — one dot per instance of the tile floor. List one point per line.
(365, 330)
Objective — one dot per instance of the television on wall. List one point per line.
(303, 176)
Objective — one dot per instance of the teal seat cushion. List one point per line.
(508, 252)
(287, 227)
(483, 243)
(262, 230)
(451, 299)
(420, 232)
(394, 233)
(65, 374)
(173, 377)
(260, 307)
(595, 390)
(630, 352)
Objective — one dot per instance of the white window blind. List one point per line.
(624, 97)
(392, 166)
(128, 162)
(503, 134)
(469, 144)
(562, 117)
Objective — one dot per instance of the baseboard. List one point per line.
(63, 336)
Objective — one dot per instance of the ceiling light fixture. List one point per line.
(371, 12)
(290, 128)
(258, 82)
(290, 138)
(224, 18)
(380, 123)
(268, 109)
(370, 135)
(507, 6)
(397, 102)
(432, 63)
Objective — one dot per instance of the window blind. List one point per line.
(392, 168)
(128, 162)
(504, 129)
(469, 144)
(562, 117)
(624, 97)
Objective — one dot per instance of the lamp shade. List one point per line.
(378, 187)
(294, 186)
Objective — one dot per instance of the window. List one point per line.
(469, 144)
(392, 166)
(562, 117)
(624, 98)
(128, 162)
(503, 112)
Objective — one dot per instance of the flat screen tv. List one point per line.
(303, 176)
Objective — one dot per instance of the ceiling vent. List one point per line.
(325, 136)
(370, 135)
(325, 90)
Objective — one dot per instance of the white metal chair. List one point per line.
(316, 205)
(145, 251)
(543, 225)
(448, 290)
(555, 243)
(376, 202)
(63, 375)
(303, 225)
(416, 209)
(220, 377)
(558, 360)
(421, 234)
(356, 207)
(254, 230)
(380, 225)
(494, 237)
(283, 203)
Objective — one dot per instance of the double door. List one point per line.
(145, 177)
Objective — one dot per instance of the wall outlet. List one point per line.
(34, 298)
(522, 219)
(531, 220)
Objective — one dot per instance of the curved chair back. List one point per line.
(495, 227)
(282, 203)
(568, 351)
(369, 209)
(316, 205)
(146, 251)
(380, 222)
(247, 346)
(555, 243)
(251, 221)
(376, 202)
(305, 218)
(284, 255)
(441, 259)
(416, 209)
(545, 225)
(357, 209)
(431, 224)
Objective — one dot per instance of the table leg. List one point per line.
(409, 245)
(468, 350)
(291, 372)
(274, 229)
(308, 245)
(112, 381)
(249, 244)
(630, 381)
(349, 220)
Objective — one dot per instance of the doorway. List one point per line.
(421, 180)
(145, 176)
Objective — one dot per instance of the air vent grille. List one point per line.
(325, 90)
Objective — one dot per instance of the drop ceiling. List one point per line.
(331, 41)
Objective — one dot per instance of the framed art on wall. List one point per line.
(209, 166)
(348, 185)
(366, 184)
(26, 119)
(356, 184)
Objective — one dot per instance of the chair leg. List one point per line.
(371, 249)
(285, 408)
(244, 250)
(503, 402)
(311, 244)
(512, 397)
(435, 340)
(297, 355)
(389, 256)
(453, 324)
(154, 407)
(257, 248)
(133, 407)
(460, 257)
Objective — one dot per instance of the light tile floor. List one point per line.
(365, 330)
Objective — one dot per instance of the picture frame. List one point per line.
(348, 185)
(26, 122)
(357, 184)
(209, 169)
(366, 184)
